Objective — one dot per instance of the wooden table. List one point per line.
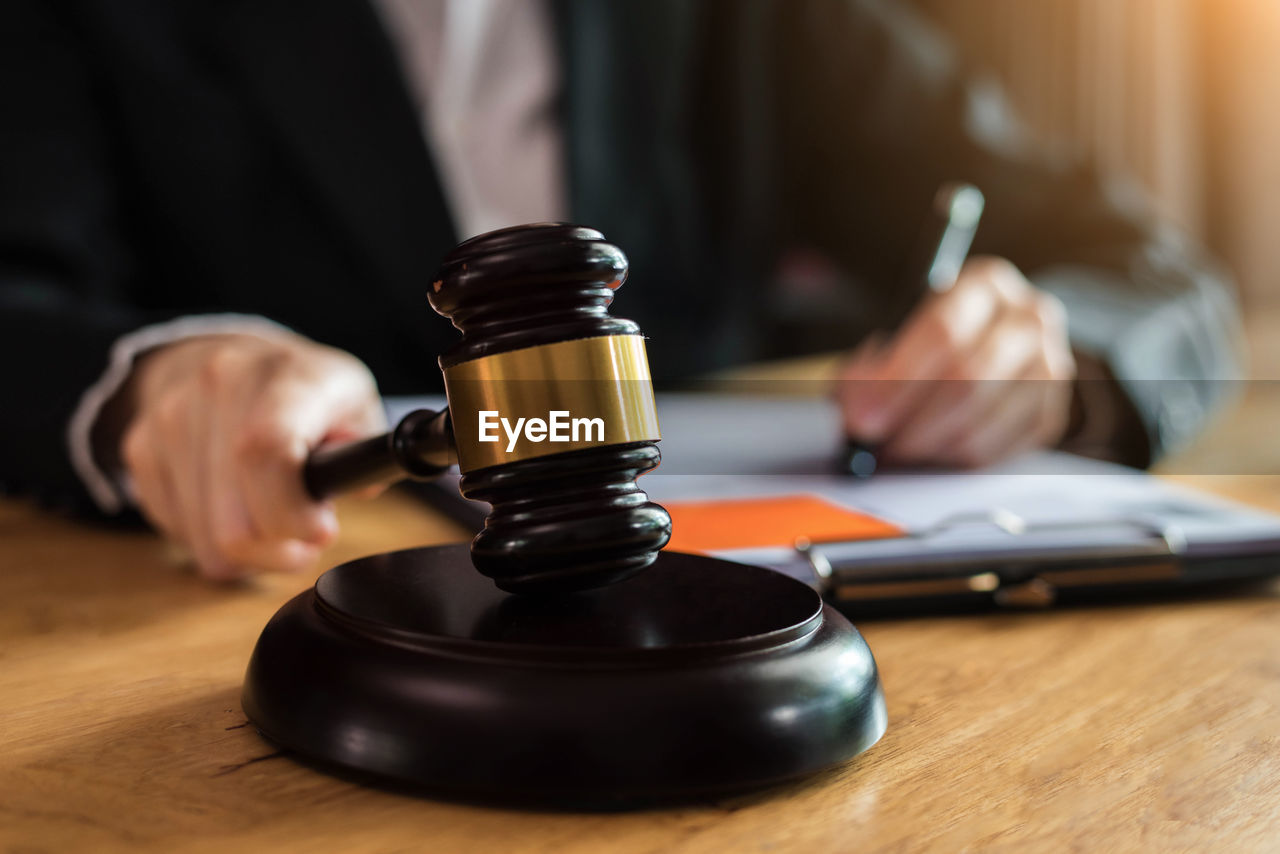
(1137, 727)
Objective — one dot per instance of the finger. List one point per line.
(367, 421)
(1043, 388)
(234, 535)
(222, 520)
(940, 332)
(359, 420)
(959, 445)
(1008, 429)
(184, 435)
(970, 391)
(1057, 390)
(1031, 411)
(159, 504)
(291, 556)
(228, 381)
(230, 528)
(237, 539)
(289, 419)
(926, 433)
(945, 324)
(149, 481)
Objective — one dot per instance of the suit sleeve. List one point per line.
(877, 115)
(65, 270)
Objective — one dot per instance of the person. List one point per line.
(218, 221)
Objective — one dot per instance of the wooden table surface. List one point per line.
(1136, 727)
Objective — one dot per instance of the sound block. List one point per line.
(696, 677)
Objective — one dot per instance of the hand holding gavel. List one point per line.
(222, 428)
(219, 431)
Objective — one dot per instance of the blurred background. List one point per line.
(1182, 94)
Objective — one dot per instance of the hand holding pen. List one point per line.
(978, 368)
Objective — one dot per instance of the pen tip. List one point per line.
(860, 462)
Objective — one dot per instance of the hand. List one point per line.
(218, 430)
(976, 374)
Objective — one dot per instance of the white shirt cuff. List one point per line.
(109, 495)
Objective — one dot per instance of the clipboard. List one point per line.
(1045, 529)
(1038, 565)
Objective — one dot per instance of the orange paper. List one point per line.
(708, 526)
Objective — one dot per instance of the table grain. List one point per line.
(1147, 727)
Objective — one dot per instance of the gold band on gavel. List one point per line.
(604, 378)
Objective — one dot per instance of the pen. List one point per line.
(932, 267)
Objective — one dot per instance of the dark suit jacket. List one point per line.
(160, 158)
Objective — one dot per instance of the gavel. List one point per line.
(411, 666)
(540, 350)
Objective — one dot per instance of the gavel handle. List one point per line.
(420, 447)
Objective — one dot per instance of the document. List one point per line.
(764, 469)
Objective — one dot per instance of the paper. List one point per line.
(725, 448)
(778, 521)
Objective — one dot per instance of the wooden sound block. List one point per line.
(695, 677)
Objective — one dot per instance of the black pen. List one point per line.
(932, 267)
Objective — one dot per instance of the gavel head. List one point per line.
(552, 408)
